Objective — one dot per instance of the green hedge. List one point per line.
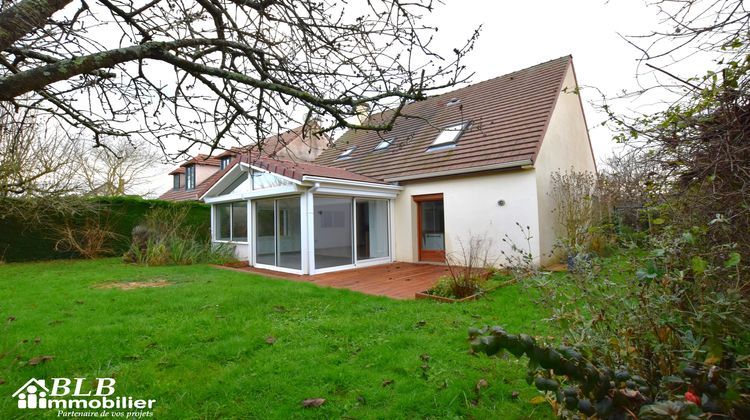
(21, 242)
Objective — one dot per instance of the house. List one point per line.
(194, 177)
(474, 161)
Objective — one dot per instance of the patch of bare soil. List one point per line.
(130, 285)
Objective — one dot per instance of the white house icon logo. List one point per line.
(33, 394)
(76, 394)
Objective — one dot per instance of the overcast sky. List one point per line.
(519, 34)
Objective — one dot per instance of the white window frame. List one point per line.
(384, 144)
(217, 225)
(190, 177)
(449, 136)
(355, 263)
(303, 237)
(347, 154)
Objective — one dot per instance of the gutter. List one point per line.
(319, 179)
(524, 164)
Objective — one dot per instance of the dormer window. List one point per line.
(190, 177)
(384, 143)
(176, 181)
(448, 136)
(453, 101)
(346, 154)
(225, 162)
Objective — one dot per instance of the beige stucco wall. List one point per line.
(306, 149)
(565, 145)
(203, 171)
(471, 208)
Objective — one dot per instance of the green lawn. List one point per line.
(199, 346)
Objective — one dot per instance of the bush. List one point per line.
(674, 314)
(574, 384)
(43, 229)
(468, 269)
(164, 237)
(92, 240)
(573, 195)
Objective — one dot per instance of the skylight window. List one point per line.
(453, 101)
(384, 143)
(346, 154)
(449, 136)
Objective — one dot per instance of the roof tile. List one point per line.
(509, 115)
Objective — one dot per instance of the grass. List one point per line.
(199, 346)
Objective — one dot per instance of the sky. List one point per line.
(520, 34)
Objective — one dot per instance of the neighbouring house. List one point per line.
(474, 161)
(194, 177)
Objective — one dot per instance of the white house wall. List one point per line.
(566, 145)
(471, 209)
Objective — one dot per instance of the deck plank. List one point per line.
(395, 280)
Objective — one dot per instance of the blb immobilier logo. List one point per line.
(72, 395)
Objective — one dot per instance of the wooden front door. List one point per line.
(430, 227)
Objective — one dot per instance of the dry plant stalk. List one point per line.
(573, 192)
(471, 266)
(92, 240)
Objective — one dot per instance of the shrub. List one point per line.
(519, 261)
(573, 196)
(33, 228)
(661, 314)
(163, 238)
(575, 384)
(468, 269)
(93, 239)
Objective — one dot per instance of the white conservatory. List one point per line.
(302, 218)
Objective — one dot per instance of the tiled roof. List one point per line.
(195, 194)
(200, 160)
(509, 115)
(203, 160)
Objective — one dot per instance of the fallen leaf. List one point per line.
(11, 318)
(313, 402)
(388, 382)
(482, 384)
(538, 400)
(270, 339)
(39, 359)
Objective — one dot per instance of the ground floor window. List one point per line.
(231, 221)
(349, 229)
(278, 232)
(372, 229)
(333, 232)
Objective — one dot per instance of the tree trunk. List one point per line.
(24, 17)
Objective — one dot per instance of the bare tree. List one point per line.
(690, 25)
(34, 158)
(121, 168)
(213, 71)
(573, 195)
